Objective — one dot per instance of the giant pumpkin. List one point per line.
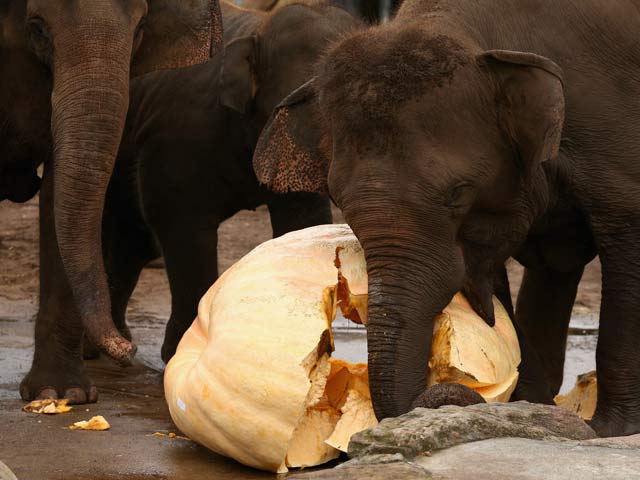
(253, 377)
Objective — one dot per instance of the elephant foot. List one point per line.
(443, 394)
(52, 380)
(615, 426)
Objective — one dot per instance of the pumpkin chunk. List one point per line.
(466, 350)
(582, 399)
(97, 423)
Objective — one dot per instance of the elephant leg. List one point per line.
(532, 385)
(543, 312)
(295, 211)
(57, 370)
(128, 243)
(618, 363)
(190, 249)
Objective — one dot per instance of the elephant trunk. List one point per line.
(89, 104)
(410, 283)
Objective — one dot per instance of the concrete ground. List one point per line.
(132, 400)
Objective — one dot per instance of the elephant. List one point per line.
(372, 10)
(188, 148)
(64, 82)
(461, 134)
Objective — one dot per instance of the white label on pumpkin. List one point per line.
(181, 405)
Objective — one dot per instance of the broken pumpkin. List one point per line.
(253, 378)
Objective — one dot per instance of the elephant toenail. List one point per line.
(76, 396)
(47, 392)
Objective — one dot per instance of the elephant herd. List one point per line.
(453, 137)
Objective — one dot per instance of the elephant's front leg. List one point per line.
(617, 355)
(190, 248)
(57, 370)
(295, 211)
(543, 312)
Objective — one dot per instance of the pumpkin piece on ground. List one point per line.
(582, 399)
(97, 423)
(48, 406)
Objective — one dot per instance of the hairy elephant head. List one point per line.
(434, 150)
(77, 56)
(259, 70)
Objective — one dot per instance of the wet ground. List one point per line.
(41, 447)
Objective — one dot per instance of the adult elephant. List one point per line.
(175, 182)
(67, 64)
(444, 146)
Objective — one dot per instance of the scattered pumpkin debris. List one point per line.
(169, 435)
(48, 406)
(583, 398)
(97, 423)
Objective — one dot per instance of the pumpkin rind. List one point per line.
(252, 378)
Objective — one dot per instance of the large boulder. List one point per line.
(486, 441)
(632, 442)
(423, 431)
(524, 459)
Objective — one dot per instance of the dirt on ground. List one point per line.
(41, 447)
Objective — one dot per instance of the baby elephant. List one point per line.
(185, 164)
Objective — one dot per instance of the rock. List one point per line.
(422, 431)
(371, 468)
(632, 441)
(374, 459)
(523, 459)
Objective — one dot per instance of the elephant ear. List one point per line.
(530, 104)
(294, 150)
(179, 33)
(237, 76)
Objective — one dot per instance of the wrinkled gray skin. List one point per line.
(444, 146)
(185, 164)
(65, 67)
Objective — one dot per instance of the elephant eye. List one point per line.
(40, 38)
(460, 195)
